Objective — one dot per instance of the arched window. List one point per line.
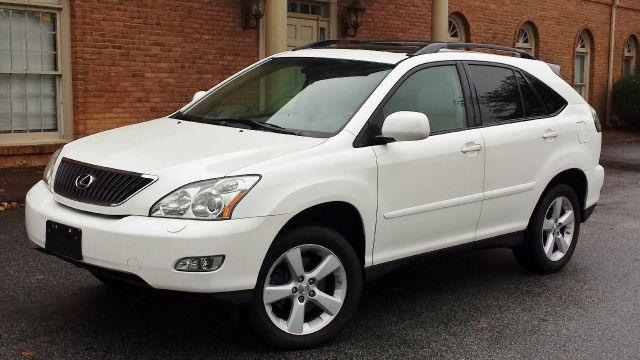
(458, 28)
(526, 38)
(630, 56)
(582, 61)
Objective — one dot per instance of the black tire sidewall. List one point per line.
(316, 235)
(534, 232)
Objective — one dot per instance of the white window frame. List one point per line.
(526, 38)
(631, 54)
(64, 93)
(583, 49)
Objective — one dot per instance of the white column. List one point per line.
(440, 20)
(275, 26)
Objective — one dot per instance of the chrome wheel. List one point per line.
(304, 289)
(557, 228)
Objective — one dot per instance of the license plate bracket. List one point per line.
(63, 240)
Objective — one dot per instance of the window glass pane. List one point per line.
(49, 113)
(580, 69)
(498, 93)
(18, 40)
(5, 41)
(34, 105)
(627, 67)
(532, 105)
(551, 99)
(28, 103)
(18, 103)
(435, 92)
(34, 43)
(5, 103)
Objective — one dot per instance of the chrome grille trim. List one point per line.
(111, 187)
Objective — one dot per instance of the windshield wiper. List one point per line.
(238, 123)
(255, 125)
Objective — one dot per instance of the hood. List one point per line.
(178, 153)
(158, 146)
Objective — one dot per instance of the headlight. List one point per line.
(205, 200)
(48, 171)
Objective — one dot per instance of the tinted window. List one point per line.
(498, 93)
(533, 107)
(552, 100)
(435, 92)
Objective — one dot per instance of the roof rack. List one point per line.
(412, 47)
(436, 47)
(389, 45)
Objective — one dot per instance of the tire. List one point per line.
(550, 224)
(272, 315)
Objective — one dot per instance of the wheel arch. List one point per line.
(576, 179)
(340, 216)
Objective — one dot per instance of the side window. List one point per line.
(533, 107)
(552, 100)
(435, 92)
(498, 93)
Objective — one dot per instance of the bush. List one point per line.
(626, 100)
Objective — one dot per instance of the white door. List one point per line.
(429, 191)
(521, 143)
(301, 32)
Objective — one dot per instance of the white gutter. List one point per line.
(614, 11)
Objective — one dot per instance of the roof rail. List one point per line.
(436, 47)
(365, 44)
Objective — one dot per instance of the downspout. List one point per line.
(614, 11)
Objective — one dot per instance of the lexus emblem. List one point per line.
(84, 181)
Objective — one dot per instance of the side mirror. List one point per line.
(198, 95)
(405, 126)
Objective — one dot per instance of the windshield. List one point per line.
(301, 96)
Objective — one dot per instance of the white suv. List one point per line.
(290, 183)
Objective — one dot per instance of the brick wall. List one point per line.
(138, 60)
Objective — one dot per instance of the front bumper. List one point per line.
(149, 247)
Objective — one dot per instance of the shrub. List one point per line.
(626, 100)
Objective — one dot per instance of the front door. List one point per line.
(429, 191)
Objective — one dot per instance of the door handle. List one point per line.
(473, 147)
(549, 134)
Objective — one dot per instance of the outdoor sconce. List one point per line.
(252, 13)
(353, 18)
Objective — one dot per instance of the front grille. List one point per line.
(106, 187)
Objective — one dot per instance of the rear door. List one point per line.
(521, 141)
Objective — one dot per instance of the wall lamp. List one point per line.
(353, 18)
(252, 12)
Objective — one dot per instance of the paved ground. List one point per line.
(479, 305)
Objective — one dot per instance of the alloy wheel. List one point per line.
(304, 289)
(557, 228)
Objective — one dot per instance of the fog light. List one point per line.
(200, 263)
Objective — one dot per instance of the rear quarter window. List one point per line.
(554, 103)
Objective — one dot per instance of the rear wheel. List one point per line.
(308, 289)
(553, 231)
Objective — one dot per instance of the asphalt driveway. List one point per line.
(475, 305)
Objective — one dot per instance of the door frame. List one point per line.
(375, 122)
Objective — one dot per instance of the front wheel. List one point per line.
(553, 231)
(308, 289)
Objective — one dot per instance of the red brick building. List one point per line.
(70, 68)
